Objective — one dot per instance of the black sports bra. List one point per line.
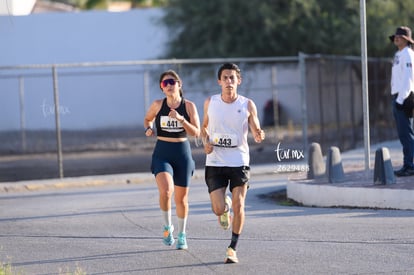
(170, 127)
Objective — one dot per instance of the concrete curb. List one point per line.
(75, 182)
(342, 196)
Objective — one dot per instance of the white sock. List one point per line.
(182, 224)
(167, 217)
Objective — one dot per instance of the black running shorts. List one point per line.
(219, 177)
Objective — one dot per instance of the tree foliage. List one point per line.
(254, 28)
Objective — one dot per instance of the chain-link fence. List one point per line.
(335, 100)
(81, 119)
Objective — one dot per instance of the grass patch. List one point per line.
(280, 197)
(7, 269)
(78, 271)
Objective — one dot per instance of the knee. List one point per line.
(218, 209)
(238, 207)
(181, 201)
(166, 194)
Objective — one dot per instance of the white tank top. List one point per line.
(228, 128)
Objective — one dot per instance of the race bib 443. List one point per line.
(225, 140)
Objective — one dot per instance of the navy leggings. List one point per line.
(174, 158)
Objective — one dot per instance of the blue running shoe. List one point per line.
(168, 238)
(181, 241)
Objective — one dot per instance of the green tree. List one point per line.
(255, 28)
(383, 17)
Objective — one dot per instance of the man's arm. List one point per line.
(254, 123)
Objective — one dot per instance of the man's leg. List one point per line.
(406, 137)
(217, 198)
(239, 198)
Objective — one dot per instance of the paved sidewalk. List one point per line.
(358, 188)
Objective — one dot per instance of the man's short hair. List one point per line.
(229, 66)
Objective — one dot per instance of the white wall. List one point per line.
(16, 7)
(96, 36)
(81, 37)
(111, 99)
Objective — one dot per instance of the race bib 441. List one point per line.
(169, 124)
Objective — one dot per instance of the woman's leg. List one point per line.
(166, 189)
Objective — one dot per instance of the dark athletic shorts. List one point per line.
(218, 177)
(174, 158)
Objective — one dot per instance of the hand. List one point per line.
(149, 132)
(259, 136)
(174, 114)
(208, 147)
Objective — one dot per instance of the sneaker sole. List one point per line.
(231, 261)
(170, 243)
(224, 225)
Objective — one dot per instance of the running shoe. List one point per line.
(168, 238)
(231, 256)
(181, 241)
(225, 219)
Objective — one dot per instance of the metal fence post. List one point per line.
(57, 121)
(364, 72)
(146, 91)
(304, 101)
(275, 99)
(22, 114)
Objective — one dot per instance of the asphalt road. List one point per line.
(14, 168)
(116, 229)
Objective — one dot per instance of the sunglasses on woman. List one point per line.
(170, 81)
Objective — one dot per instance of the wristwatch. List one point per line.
(148, 128)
